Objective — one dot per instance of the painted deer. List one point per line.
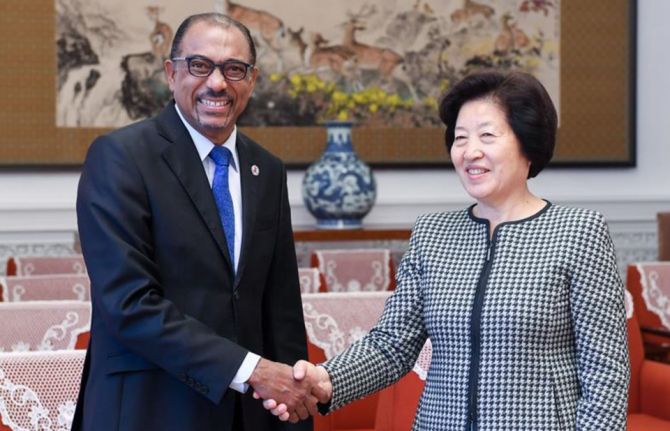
(405, 28)
(264, 23)
(367, 56)
(426, 8)
(385, 61)
(511, 37)
(161, 36)
(337, 58)
(295, 40)
(470, 10)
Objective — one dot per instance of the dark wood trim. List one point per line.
(656, 331)
(307, 234)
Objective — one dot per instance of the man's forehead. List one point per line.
(205, 34)
(201, 28)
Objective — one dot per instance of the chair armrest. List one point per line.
(656, 343)
(655, 389)
(663, 332)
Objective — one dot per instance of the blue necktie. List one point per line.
(222, 156)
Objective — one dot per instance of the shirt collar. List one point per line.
(204, 145)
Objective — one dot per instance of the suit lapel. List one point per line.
(250, 196)
(183, 160)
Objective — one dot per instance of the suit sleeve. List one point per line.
(600, 329)
(284, 327)
(115, 219)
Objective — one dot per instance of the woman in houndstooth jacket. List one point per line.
(521, 298)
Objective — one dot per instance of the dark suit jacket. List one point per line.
(171, 325)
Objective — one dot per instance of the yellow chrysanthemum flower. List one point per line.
(296, 79)
(430, 102)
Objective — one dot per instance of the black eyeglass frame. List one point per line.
(220, 66)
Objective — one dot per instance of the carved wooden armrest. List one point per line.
(656, 330)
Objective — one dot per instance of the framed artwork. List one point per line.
(75, 69)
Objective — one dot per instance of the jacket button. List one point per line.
(236, 295)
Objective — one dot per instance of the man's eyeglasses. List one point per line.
(232, 70)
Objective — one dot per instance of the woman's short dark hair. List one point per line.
(212, 18)
(526, 103)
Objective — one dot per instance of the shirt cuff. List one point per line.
(239, 382)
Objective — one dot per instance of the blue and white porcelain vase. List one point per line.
(339, 189)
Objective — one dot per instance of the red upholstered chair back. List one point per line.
(330, 325)
(42, 265)
(649, 391)
(362, 415)
(311, 280)
(74, 287)
(398, 404)
(39, 388)
(636, 352)
(44, 325)
(355, 270)
(649, 285)
(335, 320)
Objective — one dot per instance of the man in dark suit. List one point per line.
(195, 294)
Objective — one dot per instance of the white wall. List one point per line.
(44, 201)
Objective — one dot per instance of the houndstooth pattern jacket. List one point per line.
(528, 329)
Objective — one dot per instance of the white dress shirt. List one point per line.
(204, 146)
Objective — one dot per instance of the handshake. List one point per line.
(291, 393)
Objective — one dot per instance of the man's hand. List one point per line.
(275, 381)
(321, 387)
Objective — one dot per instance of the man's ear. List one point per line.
(254, 75)
(168, 66)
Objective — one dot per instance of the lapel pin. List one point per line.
(255, 170)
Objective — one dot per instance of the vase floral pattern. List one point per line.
(339, 189)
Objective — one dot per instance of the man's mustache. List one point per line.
(217, 94)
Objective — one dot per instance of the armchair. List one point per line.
(649, 285)
(649, 392)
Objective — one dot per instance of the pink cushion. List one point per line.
(355, 270)
(43, 325)
(40, 265)
(310, 280)
(74, 287)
